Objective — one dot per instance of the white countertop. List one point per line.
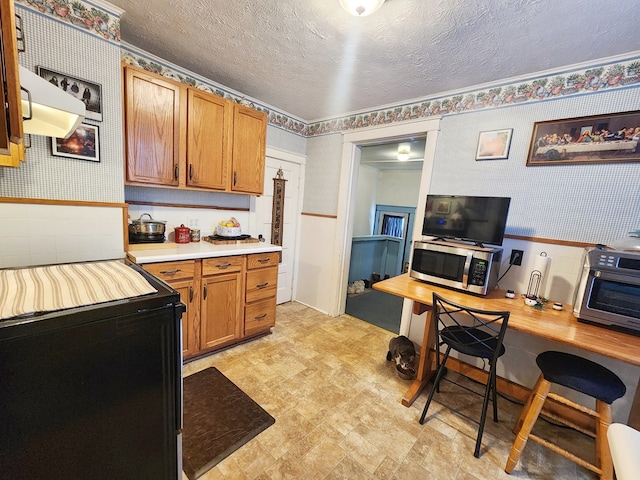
(151, 253)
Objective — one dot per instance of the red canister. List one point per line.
(183, 234)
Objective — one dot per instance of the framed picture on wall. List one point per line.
(83, 144)
(598, 139)
(88, 92)
(494, 144)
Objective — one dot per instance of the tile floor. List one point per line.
(336, 401)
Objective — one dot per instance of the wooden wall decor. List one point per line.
(277, 212)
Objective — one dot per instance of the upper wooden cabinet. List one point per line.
(208, 147)
(249, 143)
(152, 111)
(179, 136)
(11, 134)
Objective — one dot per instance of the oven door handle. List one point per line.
(465, 271)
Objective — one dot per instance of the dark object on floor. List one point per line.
(583, 376)
(218, 419)
(376, 307)
(481, 338)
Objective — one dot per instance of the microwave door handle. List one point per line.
(465, 272)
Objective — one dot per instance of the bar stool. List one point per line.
(583, 376)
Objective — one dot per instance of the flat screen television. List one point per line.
(476, 219)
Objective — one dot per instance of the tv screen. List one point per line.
(476, 219)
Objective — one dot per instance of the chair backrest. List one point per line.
(470, 330)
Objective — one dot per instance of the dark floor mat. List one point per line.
(380, 308)
(218, 419)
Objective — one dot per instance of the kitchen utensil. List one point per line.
(146, 226)
(182, 234)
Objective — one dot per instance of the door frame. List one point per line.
(351, 144)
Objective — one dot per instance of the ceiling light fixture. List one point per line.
(361, 8)
(403, 152)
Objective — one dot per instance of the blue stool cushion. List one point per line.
(582, 375)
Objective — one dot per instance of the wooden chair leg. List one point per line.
(518, 425)
(531, 411)
(603, 454)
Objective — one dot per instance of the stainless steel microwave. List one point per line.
(608, 291)
(469, 268)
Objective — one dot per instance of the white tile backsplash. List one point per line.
(35, 234)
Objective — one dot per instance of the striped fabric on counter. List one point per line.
(44, 289)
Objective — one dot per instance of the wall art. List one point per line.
(88, 92)
(494, 144)
(597, 139)
(83, 143)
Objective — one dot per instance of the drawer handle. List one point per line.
(260, 317)
(262, 285)
(190, 294)
(204, 296)
(222, 266)
(264, 260)
(169, 272)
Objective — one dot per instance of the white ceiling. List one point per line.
(385, 156)
(312, 60)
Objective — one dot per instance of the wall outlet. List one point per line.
(516, 257)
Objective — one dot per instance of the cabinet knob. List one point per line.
(191, 171)
(262, 285)
(176, 172)
(190, 294)
(204, 294)
(264, 260)
(260, 317)
(222, 266)
(235, 178)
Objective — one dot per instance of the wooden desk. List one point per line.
(558, 326)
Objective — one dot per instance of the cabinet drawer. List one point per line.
(170, 271)
(215, 266)
(259, 316)
(261, 284)
(261, 260)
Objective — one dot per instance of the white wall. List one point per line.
(365, 203)
(399, 187)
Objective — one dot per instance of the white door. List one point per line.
(292, 171)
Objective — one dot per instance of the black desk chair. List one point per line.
(474, 332)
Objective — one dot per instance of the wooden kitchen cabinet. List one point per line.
(183, 137)
(208, 145)
(11, 133)
(249, 144)
(152, 128)
(228, 299)
(260, 292)
(222, 296)
(183, 276)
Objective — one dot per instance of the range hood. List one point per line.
(54, 113)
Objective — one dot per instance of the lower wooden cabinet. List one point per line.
(228, 299)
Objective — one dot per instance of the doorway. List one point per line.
(351, 153)
(387, 191)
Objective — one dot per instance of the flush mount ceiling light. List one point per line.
(361, 8)
(403, 152)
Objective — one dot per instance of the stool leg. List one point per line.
(531, 412)
(603, 454)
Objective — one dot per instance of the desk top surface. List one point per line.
(559, 326)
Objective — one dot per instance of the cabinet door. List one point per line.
(152, 117)
(221, 309)
(188, 296)
(208, 122)
(11, 135)
(249, 143)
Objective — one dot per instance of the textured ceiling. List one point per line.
(311, 59)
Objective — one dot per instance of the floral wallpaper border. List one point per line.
(599, 77)
(79, 14)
